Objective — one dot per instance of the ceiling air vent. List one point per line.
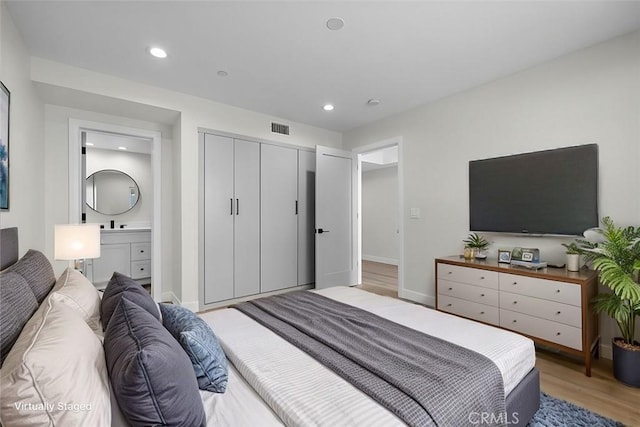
(279, 128)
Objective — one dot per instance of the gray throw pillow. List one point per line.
(201, 345)
(151, 376)
(119, 286)
(17, 304)
(37, 271)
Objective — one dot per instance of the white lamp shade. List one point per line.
(77, 241)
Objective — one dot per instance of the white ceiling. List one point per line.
(282, 60)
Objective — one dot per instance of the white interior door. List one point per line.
(335, 217)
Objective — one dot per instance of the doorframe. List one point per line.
(76, 127)
(360, 151)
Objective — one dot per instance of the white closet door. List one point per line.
(306, 216)
(219, 207)
(247, 218)
(113, 257)
(279, 188)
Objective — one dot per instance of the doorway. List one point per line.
(114, 140)
(380, 217)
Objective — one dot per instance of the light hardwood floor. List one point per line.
(560, 376)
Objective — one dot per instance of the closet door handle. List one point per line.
(237, 206)
(296, 207)
(231, 207)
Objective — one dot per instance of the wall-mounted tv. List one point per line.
(545, 192)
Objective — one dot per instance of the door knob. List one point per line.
(320, 231)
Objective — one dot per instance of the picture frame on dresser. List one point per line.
(504, 256)
(5, 98)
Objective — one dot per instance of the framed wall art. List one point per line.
(5, 96)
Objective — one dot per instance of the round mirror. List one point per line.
(111, 192)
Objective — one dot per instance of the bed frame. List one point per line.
(521, 403)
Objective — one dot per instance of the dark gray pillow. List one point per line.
(37, 271)
(119, 286)
(200, 343)
(151, 376)
(17, 304)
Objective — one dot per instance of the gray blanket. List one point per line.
(423, 380)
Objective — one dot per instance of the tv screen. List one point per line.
(545, 192)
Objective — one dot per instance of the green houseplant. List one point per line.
(617, 259)
(573, 256)
(477, 244)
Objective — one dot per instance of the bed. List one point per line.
(270, 381)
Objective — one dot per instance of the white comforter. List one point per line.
(303, 392)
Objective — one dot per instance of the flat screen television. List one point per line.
(544, 192)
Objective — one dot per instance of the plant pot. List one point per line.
(626, 363)
(573, 262)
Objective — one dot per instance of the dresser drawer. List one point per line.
(559, 333)
(566, 293)
(472, 310)
(473, 276)
(140, 251)
(140, 269)
(554, 311)
(468, 292)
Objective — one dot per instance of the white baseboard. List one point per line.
(606, 352)
(191, 305)
(417, 297)
(170, 296)
(380, 259)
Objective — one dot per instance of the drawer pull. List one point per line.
(141, 251)
(557, 291)
(515, 321)
(481, 295)
(515, 302)
(450, 272)
(481, 277)
(141, 269)
(558, 312)
(450, 289)
(514, 283)
(482, 312)
(448, 305)
(558, 333)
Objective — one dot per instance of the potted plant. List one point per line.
(477, 244)
(573, 256)
(617, 259)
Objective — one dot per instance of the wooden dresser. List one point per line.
(550, 305)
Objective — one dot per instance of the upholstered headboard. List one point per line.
(8, 247)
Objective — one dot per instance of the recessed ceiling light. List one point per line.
(373, 102)
(222, 73)
(327, 107)
(335, 24)
(89, 144)
(157, 52)
(122, 148)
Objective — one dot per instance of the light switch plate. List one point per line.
(415, 213)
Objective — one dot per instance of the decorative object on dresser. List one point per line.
(476, 246)
(551, 306)
(77, 242)
(573, 256)
(504, 256)
(617, 259)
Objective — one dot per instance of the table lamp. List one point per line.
(76, 242)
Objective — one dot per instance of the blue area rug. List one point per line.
(559, 413)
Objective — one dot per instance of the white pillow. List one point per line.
(76, 291)
(55, 374)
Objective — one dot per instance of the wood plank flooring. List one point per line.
(560, 376)
(380, 278)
